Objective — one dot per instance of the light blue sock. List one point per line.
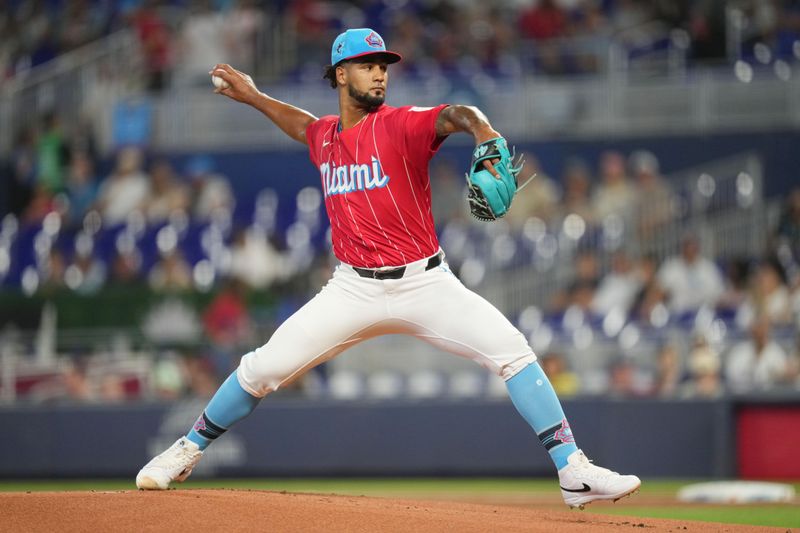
(230, 404)
(535, 399)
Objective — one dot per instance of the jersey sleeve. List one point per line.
(312, 130)
(419, 140)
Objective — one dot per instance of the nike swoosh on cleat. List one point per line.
(586, 488)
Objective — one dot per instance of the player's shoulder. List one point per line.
(326, 119)
(409, 109)
(321, 124)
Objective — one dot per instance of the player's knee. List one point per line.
(516, 366)
(261, 373)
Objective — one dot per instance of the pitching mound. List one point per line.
(248, 511)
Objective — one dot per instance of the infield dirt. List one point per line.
(248, 511)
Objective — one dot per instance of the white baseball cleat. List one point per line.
(582, 482)
(174, 464)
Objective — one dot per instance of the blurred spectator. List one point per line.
(538, 199)
(243, 24)
(757, 364)
(87, 274)
(126, 189)
(618, 288)
(705, 376)
(155, 39)
(166, 194)
(75, 381)
(737, 274)
(112, 389)
(81, 188)
(52, 271)
(650, 296)
(689, 280)
(202, 382)
(126, 268)
(593, 34)
(42, 203)
(448, 191)
(310, 21)
(211, 192)
(614, 195)
(707, 28)
(654, 207)
(668, 371)
(169, 376)
(793, 371)
(254, 260)
(52, 154)
(580, 291)
(80, 23)
(21, 177)
(543, 22)
(201, 44)
(171, 273)
(408, 40)
(577, 183)
(564, 381)
(493, 37)
(769, 297)
(625, 380)
(788, 236)
(227, 326)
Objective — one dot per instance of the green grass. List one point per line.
(787, 516)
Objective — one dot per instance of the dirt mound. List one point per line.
(248, 511)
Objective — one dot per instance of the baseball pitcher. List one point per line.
(393, 277)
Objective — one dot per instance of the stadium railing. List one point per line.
(523, 109)
(80, 85)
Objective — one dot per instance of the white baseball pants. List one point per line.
(432, 305)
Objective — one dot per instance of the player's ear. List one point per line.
(341, 75)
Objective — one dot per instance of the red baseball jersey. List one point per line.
(376, 184)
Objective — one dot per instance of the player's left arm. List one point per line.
(468, 119)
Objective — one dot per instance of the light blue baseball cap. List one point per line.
(360, 42)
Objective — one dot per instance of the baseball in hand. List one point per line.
(219, 83)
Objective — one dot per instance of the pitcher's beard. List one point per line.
(369, 102)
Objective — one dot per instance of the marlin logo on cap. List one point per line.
(339, 47)
(374, 40)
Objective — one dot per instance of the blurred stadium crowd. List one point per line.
(546, 36)
(207, 275)
(699, 325)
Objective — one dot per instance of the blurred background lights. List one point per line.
(743, 71)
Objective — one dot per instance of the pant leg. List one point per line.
(439, 309)
(346, 311)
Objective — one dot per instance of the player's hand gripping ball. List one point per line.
(490, 197)
(219, 83)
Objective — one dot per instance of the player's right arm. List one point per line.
(292, 120)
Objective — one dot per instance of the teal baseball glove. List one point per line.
(489, 197)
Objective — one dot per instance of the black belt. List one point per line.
(396, 273)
